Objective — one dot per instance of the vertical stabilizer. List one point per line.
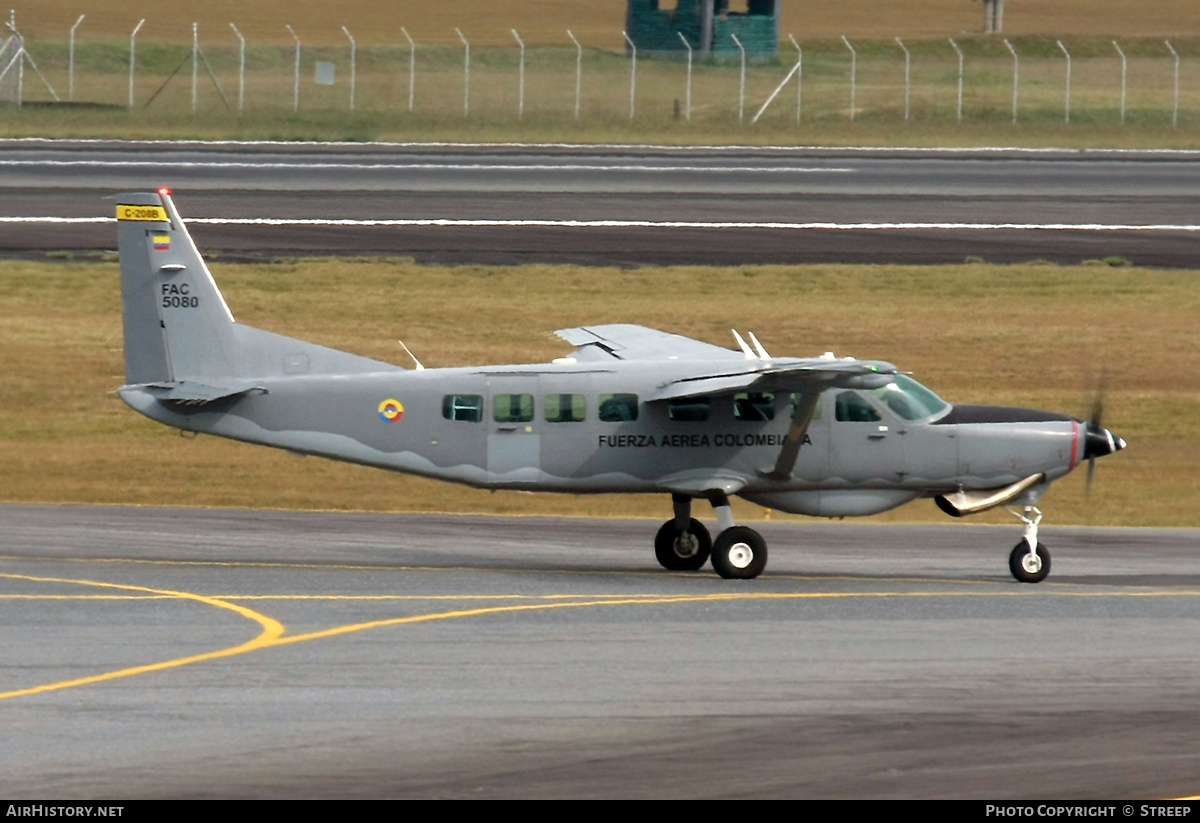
(177, 326)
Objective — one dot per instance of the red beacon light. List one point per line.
(164, 191)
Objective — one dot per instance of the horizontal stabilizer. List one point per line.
(191, 393)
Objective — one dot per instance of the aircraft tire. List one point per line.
(1017, 563)
(678, 554)
(739, 553)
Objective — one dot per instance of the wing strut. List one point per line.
(801, 417)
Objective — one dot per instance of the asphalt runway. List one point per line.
(621, 206)
(189, 653)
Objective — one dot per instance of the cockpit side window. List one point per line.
(851, 408)
(909, 399)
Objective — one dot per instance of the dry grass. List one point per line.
(1036, 335)
(599, 23)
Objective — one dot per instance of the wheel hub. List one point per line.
(740, 555)
(686, 545)
(1031, 563)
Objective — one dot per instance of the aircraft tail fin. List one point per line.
(177, 325)
(176, 322)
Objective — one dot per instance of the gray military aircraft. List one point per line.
(631, 409)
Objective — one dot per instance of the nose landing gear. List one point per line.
(1029, 561)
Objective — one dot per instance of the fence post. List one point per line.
(1175, 111)
(632, 73)
(1067, 111)
(466, 73)
(906, 76)
(853, 74)
(20, 63)
(132, 58)
(296, 92)
(71, 62)
(412, 66)
(742, 81)
(241, 66)
(1118, 48)
(353, 63)
(195, 64)
(578, 70)
(1016, 70)
(799, 75)
(688, 95)
(521, 87)
(958, 51)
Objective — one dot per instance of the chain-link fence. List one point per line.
(1029, 80)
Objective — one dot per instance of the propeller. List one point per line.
(1095, 420)
(1098, 441)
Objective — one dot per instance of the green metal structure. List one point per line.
(708, 25)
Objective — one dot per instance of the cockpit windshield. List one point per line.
(909, 399)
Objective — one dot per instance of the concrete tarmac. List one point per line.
(624, 206)
(220, 653)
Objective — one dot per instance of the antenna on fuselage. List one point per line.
(410, 354)
(758, 347)
(750, 355)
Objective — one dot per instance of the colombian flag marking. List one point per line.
(391, 410)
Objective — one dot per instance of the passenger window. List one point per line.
(512, 408)
(618, 408)
(851, 408)
(465, 407)
(689, 409)
(754, 407)
(565, 408)
(794, 403)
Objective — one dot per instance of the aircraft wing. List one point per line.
(626, 341)
(797, 375)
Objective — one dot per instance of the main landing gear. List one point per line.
(1029, 561)
(683, 544)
